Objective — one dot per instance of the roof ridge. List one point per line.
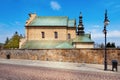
(52, 16)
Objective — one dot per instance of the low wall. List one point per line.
(95, 56)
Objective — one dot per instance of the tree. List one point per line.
(113, 45)
(13, 42)
(6, 43)
(110, 45)
(7, 40)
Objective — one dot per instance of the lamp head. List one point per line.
(106, 21)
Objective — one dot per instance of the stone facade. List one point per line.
(94, 56)
(72, 32)
(34, 33)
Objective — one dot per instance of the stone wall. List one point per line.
(95, 56)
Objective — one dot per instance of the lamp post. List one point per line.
(106, 22)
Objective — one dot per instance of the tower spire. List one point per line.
(80, 26)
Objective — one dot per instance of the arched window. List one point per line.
(69, 36)
(43, 34)
(56, 35)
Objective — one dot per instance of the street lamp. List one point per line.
(106, 22)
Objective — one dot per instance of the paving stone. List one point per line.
(40, 70)
(20, 72)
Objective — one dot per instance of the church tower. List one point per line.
(80, 26)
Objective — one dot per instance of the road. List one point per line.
(20, 72)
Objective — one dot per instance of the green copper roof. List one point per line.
(71, 23)
(35, 44)
(50, 21)
(64, 45)
(83, 38)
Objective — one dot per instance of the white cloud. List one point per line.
(96, 34)
(55, 5)
(115, 33)
(96, 26)
(112, 36)
(96, 31)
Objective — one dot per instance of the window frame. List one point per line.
(55, 35)
(43, 34)
(69, 36)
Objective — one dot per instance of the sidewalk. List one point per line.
(60, 65)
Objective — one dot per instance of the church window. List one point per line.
(56, 35)
(69, 36)
(43, 34)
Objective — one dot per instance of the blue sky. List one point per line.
(14, 13)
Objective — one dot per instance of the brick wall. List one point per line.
(95, 56)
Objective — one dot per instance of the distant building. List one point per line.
(49, 32)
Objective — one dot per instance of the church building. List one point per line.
(51, 32)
